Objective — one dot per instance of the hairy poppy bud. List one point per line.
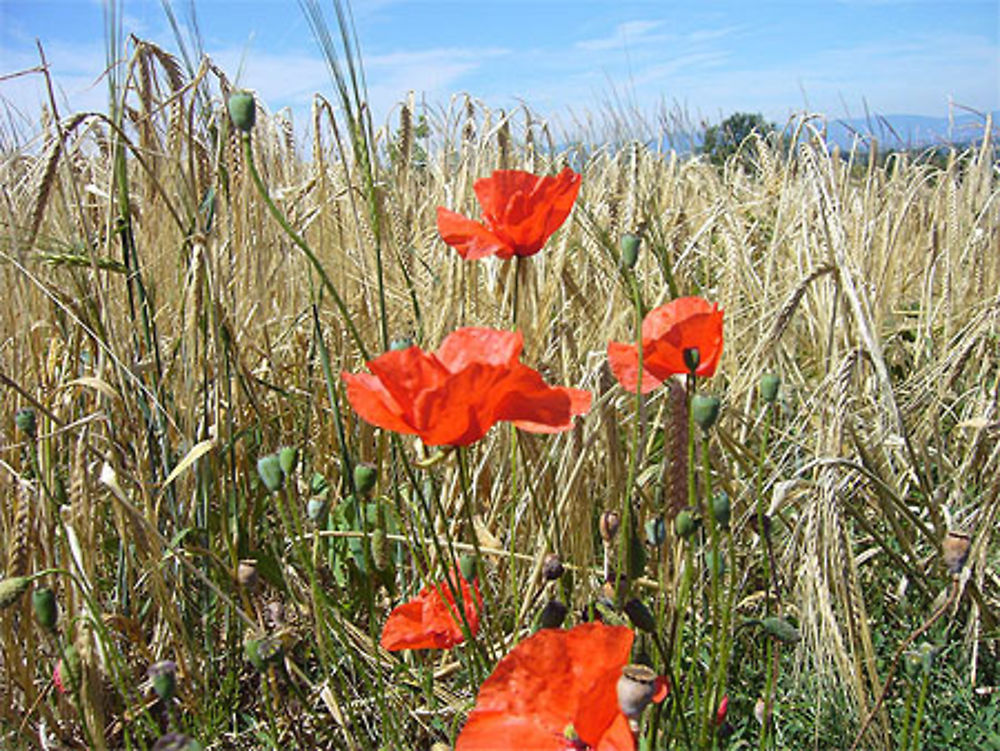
(720, 714)
(364, 478)
(243, 110)
(630, 250)
(705, 410)
(316, 510)
(271, 474)
(610, 521)
(176, 742)
(11, 590)
(780, 629)
(637, 687)
(640, 616)
(692, 358)
(656, 531)
(769, 385)
(721, 509)
(43, 601)
(380, 549)
(468, 565)
(246, 573)
(552, 615)
(685, 524)
(552, 567)
(288, 458)
(26, 421)
(163, 675)
(69, 670)
(955, 548)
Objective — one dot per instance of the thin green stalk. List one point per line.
(921, 702)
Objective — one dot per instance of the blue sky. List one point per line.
(710, 57)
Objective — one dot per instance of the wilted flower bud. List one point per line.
(721, 509)
(630, 250)
(43, 601)
(955, 549)
(610, 521)
(246, 573)
(552, 567)
(163, 675)
(769, 385)
(364, 478)
(636, 688)
(640, 616)
(705, 410)
(288, 458)
(685, 524)
(242, 110)
(552, 615)
(271, 474)
(11, 590)
(26, 421)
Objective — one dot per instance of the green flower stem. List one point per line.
(766, 564)
(303, 246)
(921, 702)
(907, 716)
(713, 693)
(627, 524)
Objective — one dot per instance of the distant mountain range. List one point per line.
(910, 131)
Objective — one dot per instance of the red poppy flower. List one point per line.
(682, 324)
(451, 397)
(520, 212)
(554, 691)
(431, 619)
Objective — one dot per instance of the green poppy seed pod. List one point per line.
(656, 531)
(43, 602)
(271, 474)
(610, 521)
(715, 561)
(552, 615)
(636, 688)
(913, 663)
(403, 342)
(955, 550)
(288, 459)
(316, 510)
(640, 616)
(380, 549)
(705, 410)
(364, 478)
(469, 566)
(692, 358)
(11, 590)
(176, 742)
(769, 385)
(26, 422)
(780, 629)
(722, 509)
(685, 524)
(70, 669)
(163, 675)
(552, 567)
(243, 110)
(630, 250)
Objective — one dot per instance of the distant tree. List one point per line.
(722, 140)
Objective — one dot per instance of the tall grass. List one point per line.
(167, 333)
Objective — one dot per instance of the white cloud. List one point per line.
(625, 35)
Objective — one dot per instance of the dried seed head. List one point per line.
(552, 567)
(610, 521)
(955, 548)
(552, 615)
(640, 616)
(636, 688)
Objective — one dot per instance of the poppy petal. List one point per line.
(481, 345)
(624, 362)
(431, 620)
(471, 239)
(373, 403)
(618, 737)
